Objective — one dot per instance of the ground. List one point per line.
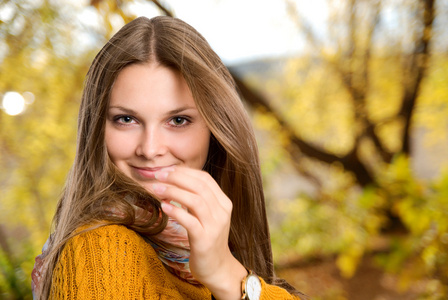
(322, 281)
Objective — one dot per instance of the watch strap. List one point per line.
(243, 285)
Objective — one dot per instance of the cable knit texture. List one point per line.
(114, 262)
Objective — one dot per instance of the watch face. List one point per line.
(253, 287)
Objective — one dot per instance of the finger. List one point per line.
(196, 181)
(193, 203)
(207, 180)
(183, 176)
(187, 220)
(211, 219)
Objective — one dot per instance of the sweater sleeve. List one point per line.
(107, 263)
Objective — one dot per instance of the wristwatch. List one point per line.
(251, 287)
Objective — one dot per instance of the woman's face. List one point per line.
(153, 123)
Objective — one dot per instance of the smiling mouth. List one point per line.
(148, 173)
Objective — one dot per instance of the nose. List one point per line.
(152, 143)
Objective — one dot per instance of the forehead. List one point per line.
(152, 84)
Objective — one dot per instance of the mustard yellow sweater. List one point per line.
(114, 262)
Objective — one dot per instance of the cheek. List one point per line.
(193, 150)
(118, 147)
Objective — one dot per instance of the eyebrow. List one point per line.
(124, 109)
(171, 112)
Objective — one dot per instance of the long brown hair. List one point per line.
(95, 186)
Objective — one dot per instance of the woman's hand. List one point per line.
(206, 218)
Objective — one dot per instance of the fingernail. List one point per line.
(158, 188)
(161, 175)
(166, 207)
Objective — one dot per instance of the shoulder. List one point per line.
(110, 241)
(92, 231)
(112, 262)
(106, 231)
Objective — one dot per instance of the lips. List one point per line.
(148, 173)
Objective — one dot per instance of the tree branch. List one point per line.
(350, 161)
(165, 10)
(418, 65)
(157, 3)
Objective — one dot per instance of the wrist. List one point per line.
(226, 284)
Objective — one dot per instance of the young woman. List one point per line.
(164, 199)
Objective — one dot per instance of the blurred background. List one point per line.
(349, 100)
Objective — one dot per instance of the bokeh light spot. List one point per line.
(13, 103)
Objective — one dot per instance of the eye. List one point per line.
(179, 121)
(124, 119)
